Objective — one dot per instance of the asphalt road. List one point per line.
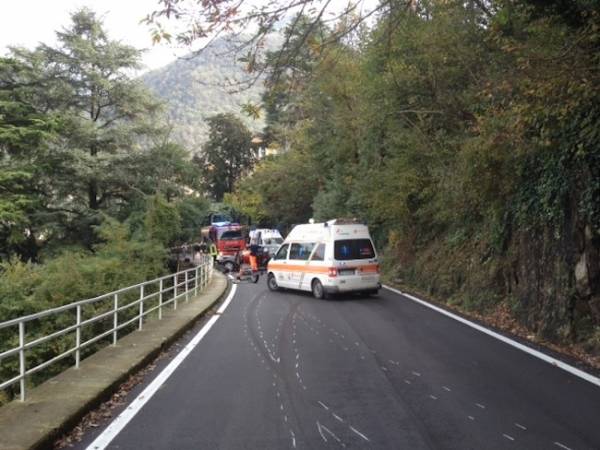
(283, 370)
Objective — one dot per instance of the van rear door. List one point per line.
(356, 261)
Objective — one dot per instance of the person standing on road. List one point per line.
(254, 251)
(212, 249)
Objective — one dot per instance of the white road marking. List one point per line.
(117, 425)
(510, 438)
(518, 425)
(479, 405)
(323, 405)
(407, 381)
(285, 418)
(417, 374)
(360, 434)
(293, 439)
(446, 388)
(281, 406)
(321, 431)
(558, 444)
(471, 417)
(333, 435)
(338, 418)
(384, 368)
(537, 354)
(433, 397)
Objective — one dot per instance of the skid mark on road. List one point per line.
(341, 420)
(261, 346)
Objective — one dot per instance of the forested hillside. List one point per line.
(194, 88)
(467, 135)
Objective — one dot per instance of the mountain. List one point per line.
(196, 87)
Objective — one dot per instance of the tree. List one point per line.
(107, 111)
(78, 136)
(226, 156)
(25, 134)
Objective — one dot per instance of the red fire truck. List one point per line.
(229, 239)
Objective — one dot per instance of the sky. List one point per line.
(29, 22)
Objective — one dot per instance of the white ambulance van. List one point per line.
(269, 239)
(326, 258)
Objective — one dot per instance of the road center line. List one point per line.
(117, 425)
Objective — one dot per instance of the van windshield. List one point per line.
(347, 249)
(272, 241)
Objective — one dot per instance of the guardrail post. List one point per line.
(141, 322)
(175, 291)
(115, 318)
(22, 359)
(78, 337)
(186, 286)
(160, 299)
(196, 271)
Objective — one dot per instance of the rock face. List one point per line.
(557, 281)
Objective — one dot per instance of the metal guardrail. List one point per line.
(164, 291)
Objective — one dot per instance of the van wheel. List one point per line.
(272, 283)
(317, 290)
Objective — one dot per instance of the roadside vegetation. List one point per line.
(466, 134)
(92, 191)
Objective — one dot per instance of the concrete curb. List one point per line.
(57, 405)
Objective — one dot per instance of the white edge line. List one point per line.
(555, 362)
(115, 427)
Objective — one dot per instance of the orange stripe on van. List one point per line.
(370, 268)
(299, 268)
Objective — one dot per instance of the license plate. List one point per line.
(367, 278)
(346, 271)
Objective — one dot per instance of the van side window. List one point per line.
(282, 253)
(301, 251)
(319, 254)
